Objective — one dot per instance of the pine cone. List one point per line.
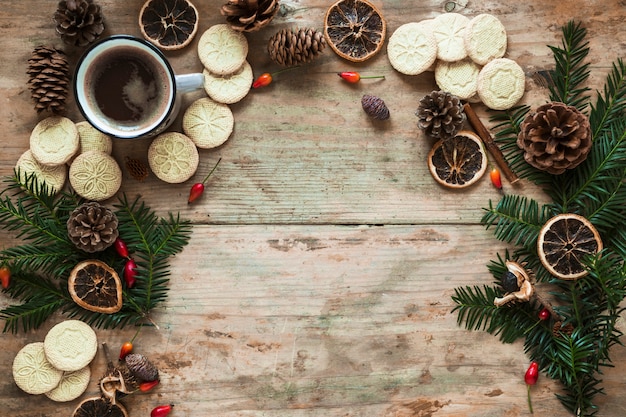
(79, 22)
(92, 227)
(141, 367)
(440, 114)
(291, 47)
(48, 72)
(249, 15)
(555, 138)
(375, 107)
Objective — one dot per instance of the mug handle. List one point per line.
(186, 83)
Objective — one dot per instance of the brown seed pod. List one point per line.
(375, 107)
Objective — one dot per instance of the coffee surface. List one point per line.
(128, 88)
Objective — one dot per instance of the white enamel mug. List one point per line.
(125, 87)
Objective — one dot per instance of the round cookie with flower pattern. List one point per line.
(208, 123)
(501, 84)
(449, 31)
(229, 88)
(70, 345)
(95, 175)
(32, 371)
(71, 386)
(412, 48)
(222, 50)
(173, 157)
(54, 176)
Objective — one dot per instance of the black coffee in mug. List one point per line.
(128, 88)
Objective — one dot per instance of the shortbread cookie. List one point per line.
(32, 371)
(70, 345)
(501, 84)
(459, 78)
(229, 88)
(173, 157)
(54, 176)
(222, 50)
(54, 140)
(91, 139)
(449, 31)
(208, 123)
(71, 386)
(412, 48)
(95, 176)
(485, 38)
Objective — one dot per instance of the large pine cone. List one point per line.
(555, 138)
(48, 73)
(79, 22)
(249, 15)
(92, 227)
(440, 114)
(291, 47)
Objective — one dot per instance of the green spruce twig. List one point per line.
(41, 265)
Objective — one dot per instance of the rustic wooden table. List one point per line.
(318, 278)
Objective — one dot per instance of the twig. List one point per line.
(491, 146)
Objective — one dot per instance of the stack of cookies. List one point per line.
(58, 367)
(60, 148)
(208, 122)
(466, 54)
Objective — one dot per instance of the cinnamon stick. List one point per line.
(491, 146)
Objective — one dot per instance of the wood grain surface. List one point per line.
(319, 274)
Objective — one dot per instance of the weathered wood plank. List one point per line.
(319, 275)
(301, 320)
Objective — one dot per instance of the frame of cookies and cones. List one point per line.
(569, 343)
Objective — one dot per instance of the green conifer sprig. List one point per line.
(573, 347)
(41, 265)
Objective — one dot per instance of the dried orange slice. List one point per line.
(458, 162)
(563, 244)
(168, 24)
(95, 286)
(99, 406)
(355, 29)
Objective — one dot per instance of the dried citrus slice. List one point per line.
(563, 244)
(99, 406)
(355, 29)
(458, 162)
(95, 286)
(168, 24)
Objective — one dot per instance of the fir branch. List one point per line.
(571, 72)
(596, 188)
(40, 299)
(610, 105)
(41, 266)
(517, 219)
(154, 240)
(477, 311)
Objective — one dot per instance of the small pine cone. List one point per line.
(375, 107)
(440, 114)
(249, 15)
(92, 227)
(48, 79)
(555, 138)
(558, 329)
(291, 47)
(141, 367)
(79, 22)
